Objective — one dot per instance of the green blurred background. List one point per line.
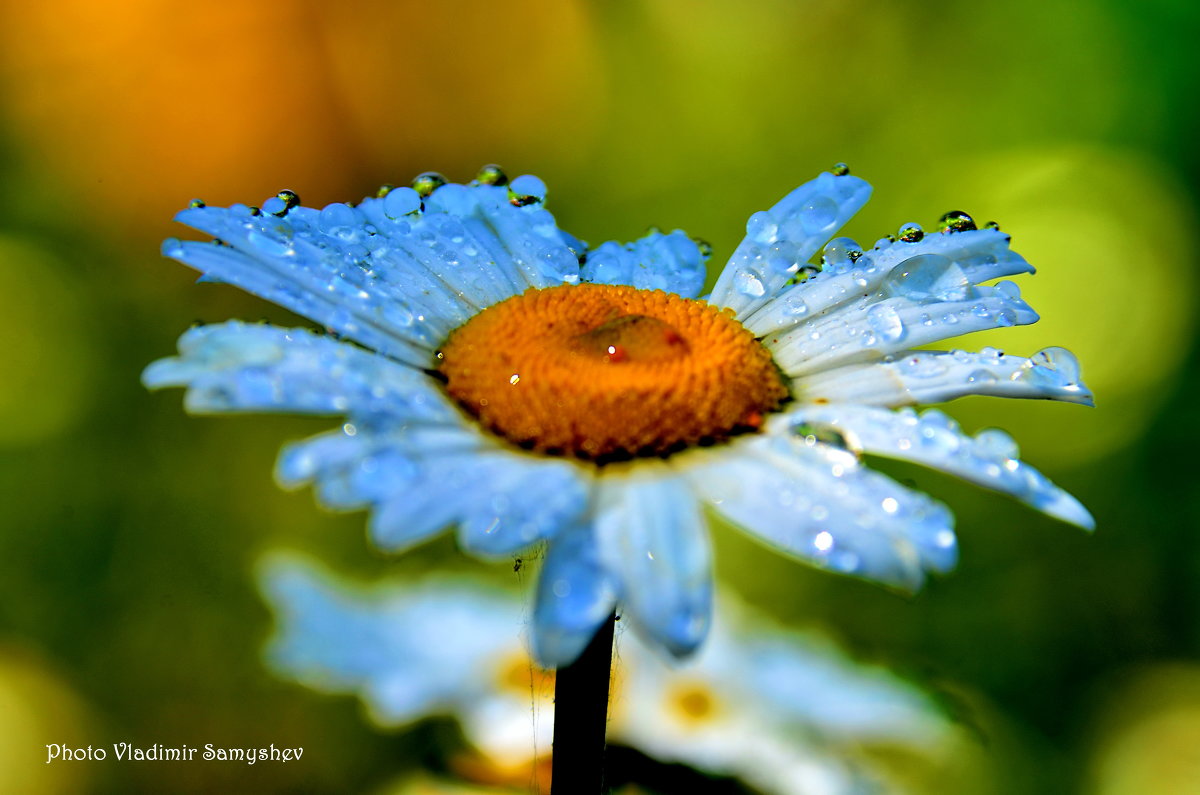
(127, 606)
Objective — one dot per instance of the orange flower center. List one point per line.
(606, 372)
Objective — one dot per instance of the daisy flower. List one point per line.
(498, 375)
(784, 711)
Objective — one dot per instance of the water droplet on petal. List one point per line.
(956, 221)
(749, 284)
(526, 189)
(427, 182)
(981, 377)
(401, 202)
(840, 169)
(339, 220)
(886, 321)
(818, 215)
(172, 247)
(928, 277)
(762, 228)
(273, 240)
(1008, 289)
(705, 247)
(794, 305)
(995, 442)
(491, 174)
(840, 253)
(289, 198)
(991, 225)
(911, 233)
(1059, 361)
(196, 204)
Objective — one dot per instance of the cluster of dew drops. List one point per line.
(844, 251)
(399, 202)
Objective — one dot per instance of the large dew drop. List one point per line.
(928, 277)
(749, 284)
(886, 322)
(818, 215)
(1059, 361)
(400, 202)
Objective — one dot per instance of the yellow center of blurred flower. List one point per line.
(517, 673)
(606, 372)
(694, 703)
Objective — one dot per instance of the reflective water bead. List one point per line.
(275, 206)
(289, 198)
(991, 225)
(911, 233)
(841, 251)
(704, 246)
(812, 434)
(427, 182)
(997, 443)
(886, 321)
(1060, 361)
(928, 277)
(274, 240)
(1008, 289)
(818, 215)
(762, 228)
(981, 376)
(750, 284)
(526, 189)
(956, 221)
(840, 169)
(196, 204)
(340, 220)
(491, 174)
(401, 202)
(794, 305)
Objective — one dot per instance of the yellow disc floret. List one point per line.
(607, 372)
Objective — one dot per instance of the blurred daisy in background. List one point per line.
(781, 711)
(497, 374)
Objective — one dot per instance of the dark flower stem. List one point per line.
(581, 717)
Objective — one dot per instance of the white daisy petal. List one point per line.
(318, 284)
(933, 439)
(937, 376)
(817, 502)
(524, 240)
(575, 595)
(236, 366)
(673, 263)
(386, 274)
(780, 240)
(409, 653)
(518, 501)
(873, 328)
(939, 266)
(652, 540)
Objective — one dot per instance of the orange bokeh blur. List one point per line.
(139, 109)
